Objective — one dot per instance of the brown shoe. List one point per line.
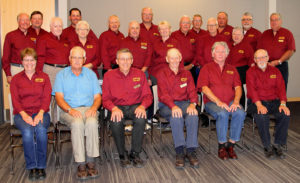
(180, 160)
(192, 157)
(91, 170)
(223, 153)
(82, 173)
(231, 153)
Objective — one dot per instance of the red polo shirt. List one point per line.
(176, 87)
(222, 84)
(33, 36)
(278, 44)
(241, 54)
(109, 44)
(160, 50)
(141, 50)
(187, 45)
(92, 52)
(268, 85)
(203, 48)
(227, 31)
(51, 50)
(15, 41)
(150, 35)
(30, 95)
(252, 35)
(69, 35)
(118, 89)
(199, 34)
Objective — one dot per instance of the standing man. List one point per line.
(77, 93)
(35, 30)
(251, 34)
(126, 94)
(267, 95)
(224, 28)
(140, 48)
(280, 44)
(197, 23)
(69, 33)
(220, 83)
(178, 99)
(15, 41)
(203, 45)
(109, 43)
(149, 31)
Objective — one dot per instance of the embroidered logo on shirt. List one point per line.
(241, 51)
(251, 35)
(183, 79)
(137, 86)
(273, 76)
(33, 39)
(155, 34)
(170, 45)
(183, 85)
(136, 79)
(89, 46)
(144, 46)
(39, 80)
(65, 44)
(281, 40)
(229, 72)
(281, 37)
(192, 40)
(227, 33)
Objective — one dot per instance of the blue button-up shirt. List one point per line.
(79, 90)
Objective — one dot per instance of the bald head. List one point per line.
(147, 15)
(23, 21)
(185, 24)
(56, 26)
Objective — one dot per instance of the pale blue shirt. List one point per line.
(79, 90)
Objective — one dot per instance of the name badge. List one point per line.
(170, 45)
(136, 79)
(183, 79)
(241, 51)
(33, 39)
(281, 37)
(183, 85)
(144, 47)
(281, 40)
(143, 44)
(137, 86)
(89, 46)
(39, 80)
(227, 33)
(192, 40)
(273, 76)
(229, 72)
(65, 44)
(155, 34)
(251, 35)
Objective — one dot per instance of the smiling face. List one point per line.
(147, 15)
(247, 22)
(212, 27)
(124, 60)
(197, 22)
(114, 23)
(164, 31)
(185, 24)
(219, 54)
(173, 58)
(23, 22)
(29, 63)
(275, 22)
(82, 30)
(261, 59)
(56, 27)
(222, 20)
(36, 21)
(77, 58)
(75, 17)
(134, 30)
(237, 36)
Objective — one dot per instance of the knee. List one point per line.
(222, 114)
(77, 124)
(192, 119)
(92, 123)
(27, 134)
(140, 121)
(240, 113)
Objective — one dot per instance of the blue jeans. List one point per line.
(35, 141)
(222, 119)
(177, 125)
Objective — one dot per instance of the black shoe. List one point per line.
(33, 175)
(41, 174)
(269, 153)
(125, 163)
(278, 151)
(136, 160)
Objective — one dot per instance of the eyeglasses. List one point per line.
(28, 60)
(82, 29)
(77, 58)
(211, 25)
(260, 58)
(246, 19)
(125, 59)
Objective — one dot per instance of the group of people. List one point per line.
(217, 63)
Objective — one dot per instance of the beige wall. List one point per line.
(9, 11)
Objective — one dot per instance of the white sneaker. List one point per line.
(147, 127)
(128, 128)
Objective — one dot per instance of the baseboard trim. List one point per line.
(294, 99)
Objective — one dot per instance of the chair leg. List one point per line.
(12, 156)
(209, 135)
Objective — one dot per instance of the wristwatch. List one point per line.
(69, 109)
(279, 62)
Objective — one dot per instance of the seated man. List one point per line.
(178, 97)
(221, 86)
(267, 94)
(126, 94)
(77, 93)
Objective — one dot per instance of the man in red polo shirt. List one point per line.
(69, 34)
(203, 45)
(220, 83)
(149, 31)
(109, 43)
(35, 30)
(224, 28)
(126, 94)
(279, 43)
(250, 34)
(140, 48)
(178, 99)
(14, 42)
(267, 95)
(197, 23)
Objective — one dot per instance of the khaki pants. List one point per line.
(51, 71)
(87, 127)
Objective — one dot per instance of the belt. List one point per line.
(17, 65)
(58, 65)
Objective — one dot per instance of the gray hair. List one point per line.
(82, 22)
(247, 14)
(224, 13)
(260, 50)
(174, 50)
(76, 48)
(237, 29)
(277, 14)
(123, 50)
(164, 23)
(220, 43)
(212, 19)
(54, 19)
(18, 16)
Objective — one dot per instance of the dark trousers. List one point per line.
(263, 122)
(117, 129)
(242, 72)
(284, 69)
